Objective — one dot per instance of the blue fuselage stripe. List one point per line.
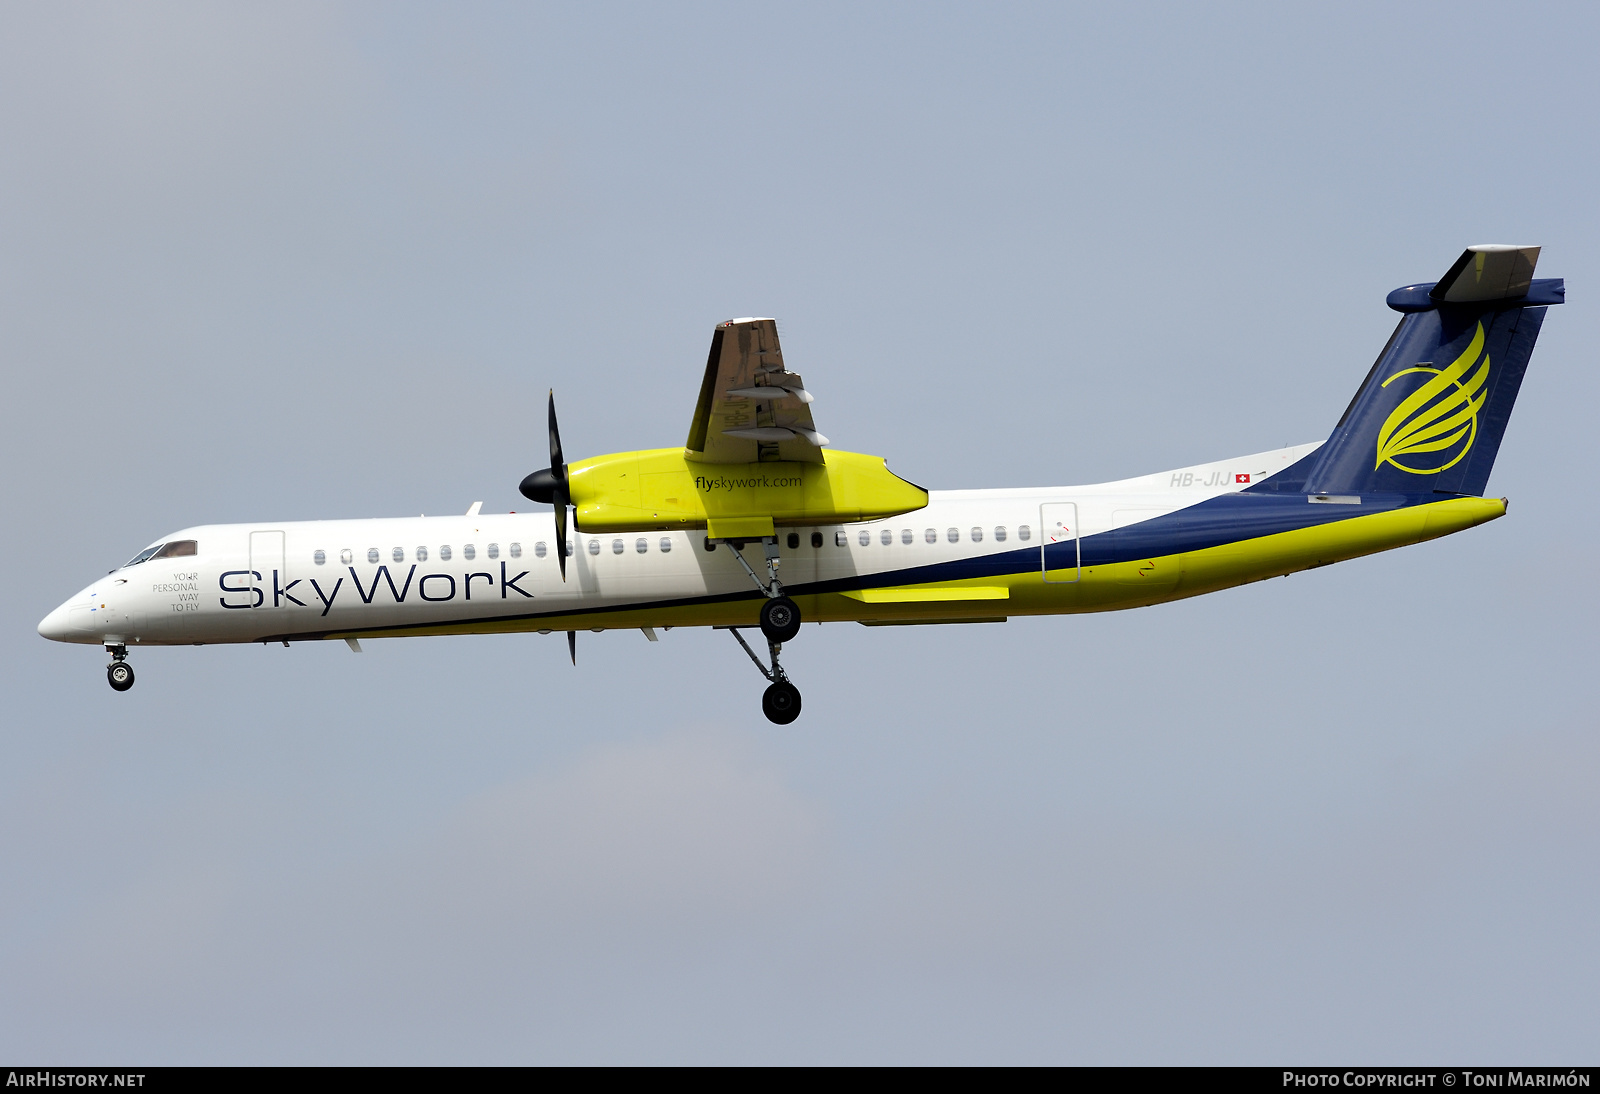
(1214, 522)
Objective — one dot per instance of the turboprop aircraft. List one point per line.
(756, 522)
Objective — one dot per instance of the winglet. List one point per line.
(473, 511)
(354, 644)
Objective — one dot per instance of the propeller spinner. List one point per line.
(549, 486)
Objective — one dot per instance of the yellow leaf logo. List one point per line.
(1439, 415)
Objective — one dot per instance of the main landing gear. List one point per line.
(780, 622)
(781, 701)
(780, 616)
(119, 674)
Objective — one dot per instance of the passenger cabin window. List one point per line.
(494, 550)
(906, 536)
(540, 550)
(816, 539)
(841, 538)
(1024, 533)
(178, 548)
(1000, 533)
(793, 540)
(865, 538)
(666, 545)
(444, 553)
(886, 537)
(516, 550)
(422, 554)
(953, 535)
(345, 556)
(594, 546)
(616, 546)
(931, 535)
(977, 535)
(372, 554)
(469, 552)
(319, 557)
(398, 554)
(642, 545)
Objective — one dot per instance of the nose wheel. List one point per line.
(119, 674)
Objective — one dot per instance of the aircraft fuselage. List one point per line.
(968, 556)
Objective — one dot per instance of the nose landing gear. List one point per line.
(119, 674)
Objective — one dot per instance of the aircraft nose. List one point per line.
(54, 625)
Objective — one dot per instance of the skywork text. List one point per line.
(248, 588)
(754, 482)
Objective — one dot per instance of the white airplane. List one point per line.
(755, 522)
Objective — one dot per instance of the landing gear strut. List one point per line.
(781, 701)
(780, 622)
(119, 674)
(780, 616)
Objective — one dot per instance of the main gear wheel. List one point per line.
(780, 619)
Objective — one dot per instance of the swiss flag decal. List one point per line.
(1241, 478)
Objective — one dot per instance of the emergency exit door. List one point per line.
(1059, 557)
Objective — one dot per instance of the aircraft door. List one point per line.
(1059, 557)
(266, 569)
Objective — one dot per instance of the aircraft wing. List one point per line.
(750, 407)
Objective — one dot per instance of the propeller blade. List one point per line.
(557, 463)
(572, 646)
(561, 529)
(558, 468)
(549, 486)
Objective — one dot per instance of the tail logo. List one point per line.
(1433, 428)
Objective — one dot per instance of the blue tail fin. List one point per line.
(1431, 413)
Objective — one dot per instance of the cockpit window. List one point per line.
(147, 553)
(176, 549)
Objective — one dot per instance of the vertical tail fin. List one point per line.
(1431, 413)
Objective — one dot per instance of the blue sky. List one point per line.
(315, 261)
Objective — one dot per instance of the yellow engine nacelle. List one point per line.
(661, 489)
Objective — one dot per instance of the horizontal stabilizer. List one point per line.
(1489, 271)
